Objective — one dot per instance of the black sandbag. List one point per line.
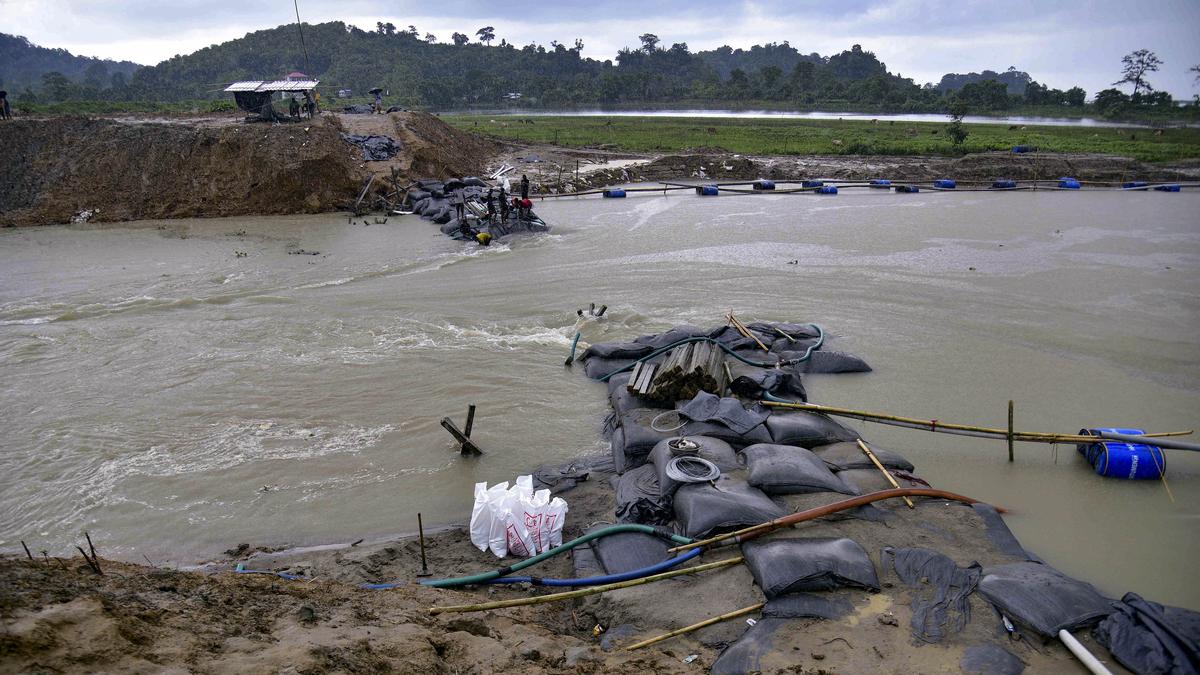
(729, 411)
(622, 401)
(823, 362)
(847, 455)
(616, 381)
(637, 498)
(989, 659)
(472, 181)
(796, 347)
(660, 340)
(358, 109)
(728, 503)
(745, 655)
(432, 184)
(1147, 637)
(941, 590)
(617, 446)
(443, 217)
(1043, 599)
(559, 478)
(783, 566)
(598, 367)
(797, 331)
(808, 430)
(629, 551)
(733, 339)
(397, 108)
(998, 533)
(754, 383)
(374, 147)
(641, 437)
(616, 350)
(788, 470)
(713, 449)
(416, 195)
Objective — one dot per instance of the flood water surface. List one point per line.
(177, 388)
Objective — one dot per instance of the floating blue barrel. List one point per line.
(812, 183)
(907, 188)
(827, 190)
(881, 183)
(764, 184)
(614, 193)
(1004, 184)
(707, 190)
(945, 184)
(1173, 187)
(1134, 184)
(1128, 461)
(1022, 149)
(1068, 183)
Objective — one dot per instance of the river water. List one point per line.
(175, 398)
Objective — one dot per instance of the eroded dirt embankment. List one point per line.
(130, 169)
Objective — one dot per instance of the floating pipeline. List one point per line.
(813, 186)
(430, 199)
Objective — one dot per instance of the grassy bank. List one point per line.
(826, 137)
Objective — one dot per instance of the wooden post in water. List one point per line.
(470, 420)
(1010, 430)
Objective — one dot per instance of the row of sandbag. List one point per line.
(430, 200)
(752, 485)
(784, 342)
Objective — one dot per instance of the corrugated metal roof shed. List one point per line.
(273, 85)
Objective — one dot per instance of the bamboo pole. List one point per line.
(745, 331)
(754, 531)
(886, 474)
(937, 425)
(579, 593)
(1010, 430)
(697, 626)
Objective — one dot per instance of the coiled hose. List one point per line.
(759, 364)
(485, 577)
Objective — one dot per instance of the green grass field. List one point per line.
(825, 137)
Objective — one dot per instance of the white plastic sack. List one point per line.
(516, 520)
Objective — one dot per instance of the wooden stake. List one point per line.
(470, 420)
(1010, 430)
(26, 549)
(886, 474)
(697, 626)
(567, 595)
(466, 445)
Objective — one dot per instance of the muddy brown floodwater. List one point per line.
(179, 387)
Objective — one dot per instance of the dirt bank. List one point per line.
(130, 168)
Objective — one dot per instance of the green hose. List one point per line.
(566, 546)
(758, 364)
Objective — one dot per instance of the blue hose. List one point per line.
(758, 364)
(606, 579)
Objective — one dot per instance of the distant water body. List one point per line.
(819, 115)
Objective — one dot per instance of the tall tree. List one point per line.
(460, 39)
(1136, 66)
(649, 42)
(486, 34)
(430, 38)
(1195, 69)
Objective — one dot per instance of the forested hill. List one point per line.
(420, 71)
(23, 64)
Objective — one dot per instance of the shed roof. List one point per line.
(273, 85)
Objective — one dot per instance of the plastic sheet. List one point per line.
(786, 469)
(941, 596)
(1041, 598)
(374, 148)
(1147, 637)
(617, 350)
(638, 499)
(784, 566)
(826, 362)
(729, 411)
(754, 383)
(702, 509)
(713, 449)
(745, 655)
(806, 429)
(844, 456)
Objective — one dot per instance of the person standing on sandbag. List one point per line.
(459, 201)
(503, 205)
(524, 187)
(491, 205)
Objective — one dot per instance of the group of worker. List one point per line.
(309, 107)
(522, 205)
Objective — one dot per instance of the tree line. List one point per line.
(418, 70)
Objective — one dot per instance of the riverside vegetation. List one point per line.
(827, 137)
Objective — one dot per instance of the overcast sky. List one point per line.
(1059, 43)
